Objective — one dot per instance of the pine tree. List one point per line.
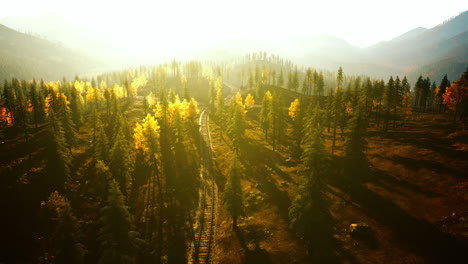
(233, 197)
(145, 105)
(236, 125)
(101, 149)
(314, 155)
(308, 213)
(264, 114)
(356, 143)
(66, 120)
(441, 91)
(281, 78)
(290, 83)
(320, 84)
(277, 120)
(76, 105)
(295, 80)
(36, 103)
(418, 87)
(185, 88)
(63, 229)
(118, 241)
(337, 106)
(220, 106)
(296, 113)
(68, 249)
(120, 160)
(58, 158)
(390, 100)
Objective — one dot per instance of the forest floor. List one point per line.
(413, 195)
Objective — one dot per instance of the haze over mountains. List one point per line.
(431, 52)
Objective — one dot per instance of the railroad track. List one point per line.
(205, 225)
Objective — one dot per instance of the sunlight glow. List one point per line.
(140, 26)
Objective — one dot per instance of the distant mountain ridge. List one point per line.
(26, 57)
(430, 52)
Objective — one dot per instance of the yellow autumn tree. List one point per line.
(138, 82)
(146, 136)
(238, 100)
(249, 102)
(151, 99)
(294, 109)
(118, 90)
(192, 110)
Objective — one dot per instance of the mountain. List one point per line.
(430, 52)
(71, 35)
(410, 34)
(25, 56)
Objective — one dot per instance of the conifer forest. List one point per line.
(254, 158)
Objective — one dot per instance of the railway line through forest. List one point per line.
(205, 225)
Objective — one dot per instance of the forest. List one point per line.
(257, 160)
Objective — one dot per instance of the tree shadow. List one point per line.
(415, 235)
(255, 256)
(383, 177)
(424, 140)
(252, 159)
(429, 164)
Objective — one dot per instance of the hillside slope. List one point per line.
(25, 56)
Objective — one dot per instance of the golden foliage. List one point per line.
(5, 118)
(151, 98)
(267, 96)
(146, 135)
(455, 94)
(349, 107)
(138, 82)
(93, 94)
(249, 101)
(294, 109)
(183, 80)
(406, 104)
(192, 110)
(238, 100)
(118, 91)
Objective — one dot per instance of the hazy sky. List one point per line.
(360, 22)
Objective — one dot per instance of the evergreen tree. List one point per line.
(356, 143)
(68, 249)
(320, 84)
(296, 113)
(145, 105)
(219, 105)
(418, 87)
(329, 106)
(233, 197)
(441, 91)
(281, 78)
(337, 106)
(101, 149)
(314, 155)
(236, 126)
(118, 241)
(76, 106)
(277, 120)
(58, 158)
(36, 103)
(120, 160)
(264, 114)
(295, 80)
(290, 84)
(66, 120)
(389, 100)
